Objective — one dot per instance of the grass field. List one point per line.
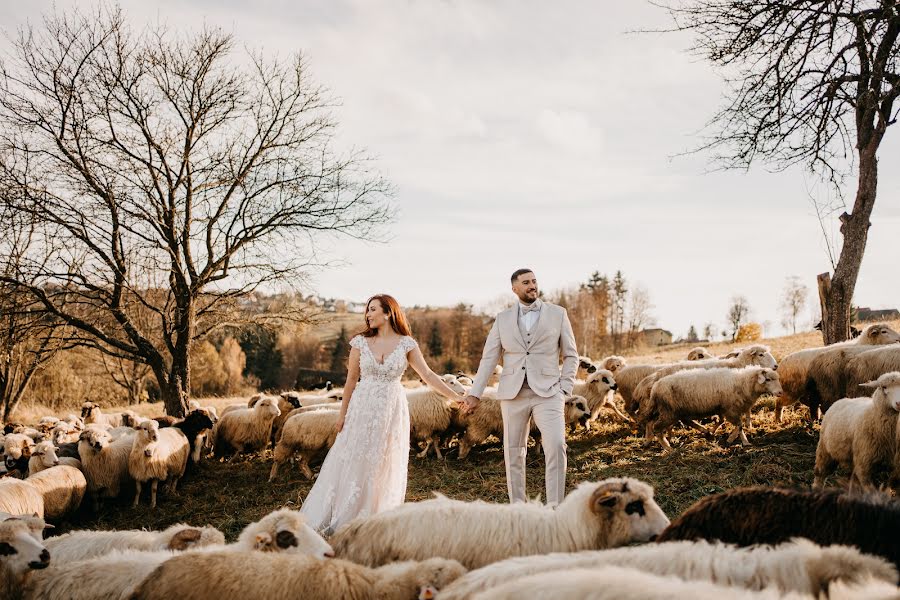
(229, 495)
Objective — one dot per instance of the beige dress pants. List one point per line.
(549, 418)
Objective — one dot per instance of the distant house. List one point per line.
(886, 314)
(656, 337)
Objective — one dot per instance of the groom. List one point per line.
(531, 336)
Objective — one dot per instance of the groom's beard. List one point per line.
(529, 297)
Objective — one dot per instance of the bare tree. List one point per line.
(29, 336)
(618, 299)
(129, 375)
(738, 312)
(639, 312)
(171, 176)
(811, 82)
(793, 301)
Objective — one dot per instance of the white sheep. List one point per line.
(286, 403)
(700, 353)
(75, 421)
(795, 566)
(605, 514)
(794, 368)
(307, 433)
(621, 583)
(596, 391)
(430, 415)
(64, 433)
(20, 554)
(628, 378)
(258, 576)
(47, 423)
(62, 488)
(246, 429)
(44, 456)
(157, 455)
(20, 498)
(610, 363)
(91, 413)
(104, 462)
(481, 423)
(860, 433)
(87, 544)
(703, 393)
(869, 366)
(17, 449)
(132, 419)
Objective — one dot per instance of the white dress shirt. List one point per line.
(528, 319)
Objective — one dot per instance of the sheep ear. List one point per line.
(603, 499)
(6, 549)
(761, 378)
(262, 540)
(285, 539)
(183, 539)
(869, 384)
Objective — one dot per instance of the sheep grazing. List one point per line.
(606, 514)
(610, 363)
(196, 426)
(760, 515)
(91, 413)
(481, 423)
(307, 433)
(19, 497)
(62, 489)
(105, 463)
(622, 583)
(281, 577)
(860, 433)
(20, 554)
(869, 366)
(796, 566)
(246, 429)
(87, 544)
(828, 377)
(794, 367)
(596, 390)
(727, 392)
(286, 403)
(64, 433)
(132, 419)
(756, 355)
(46, 424)
(157, 455)
(430, 415)
(628, 378)
(700, 353)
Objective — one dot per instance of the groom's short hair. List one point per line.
(518, 272)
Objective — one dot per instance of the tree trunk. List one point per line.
(836, 299)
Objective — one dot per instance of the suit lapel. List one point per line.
(537, 328)
(514, 324)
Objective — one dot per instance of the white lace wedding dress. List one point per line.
(365, 471)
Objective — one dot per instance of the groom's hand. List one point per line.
(471, 403)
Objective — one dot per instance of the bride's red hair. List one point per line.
(394, 313)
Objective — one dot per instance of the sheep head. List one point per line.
(767, 381)
(887, 389)
(87, 408)
(96, 439)
(19, 550)
(699, 353)
(613, 363)
(757, 355)
(602, 380)
(47, 452)
(878, 334)
(268, 406)
(576, 410)
(627, 507)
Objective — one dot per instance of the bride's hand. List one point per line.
(339, 425)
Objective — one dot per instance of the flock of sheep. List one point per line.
(508, 550)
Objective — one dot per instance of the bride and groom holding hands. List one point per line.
(365, 471)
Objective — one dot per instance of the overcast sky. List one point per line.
(541, 134)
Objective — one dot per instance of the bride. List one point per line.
(365, 471)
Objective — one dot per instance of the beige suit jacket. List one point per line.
(551, 336)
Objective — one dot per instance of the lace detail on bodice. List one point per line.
(394, 365)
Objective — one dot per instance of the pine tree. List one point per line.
(435, 342)
(692, 334)
(340, 352)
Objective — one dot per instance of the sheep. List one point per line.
(46, 424)
(157, 455)
(19, 497)
(860, 433)
(17, 450)
(628, 378)
(596, 515)
(196, 426)
(246, 429)
(64, 433)
(761, 515)
(44, 456)
(91, 413)
(280, 576)
(484, 421)
(20, 554)
(623, 583)
(35, 435)
(575, 411)
(827, 377)
(132, 419)
(869, 366)
(75, 421)
(610, 363)
(596, 390)
(88, 544)
(105, 463)
(286, 403)
(794, 367)
(62, 488)
(700, 353)
(430, 415)
(756, 355)
(306, 433)
(727, 392)
(798, 566)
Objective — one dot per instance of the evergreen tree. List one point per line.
(692, 334)
(435, 341)
(340, 352)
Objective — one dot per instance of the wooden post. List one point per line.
(824, 283)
